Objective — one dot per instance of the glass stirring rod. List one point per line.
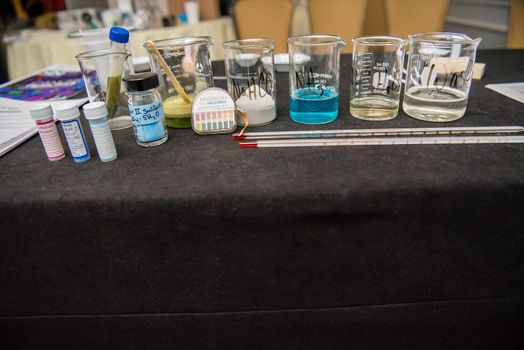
(379, 132)
(383, 141)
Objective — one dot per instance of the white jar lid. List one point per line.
(66, 111)
(41, 111)
(95, 110)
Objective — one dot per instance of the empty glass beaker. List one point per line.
(377, 77)
(314, 70)
(102, 71)
(251, 78)
(189, 61)
(439, 73)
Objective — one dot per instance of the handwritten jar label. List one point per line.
(263, 84)
(146, 114)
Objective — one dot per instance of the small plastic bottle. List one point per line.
(96, 114)
(145, 108)
(119, 38)
(42, 114)
(69, 116)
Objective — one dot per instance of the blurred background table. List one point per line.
(499, 23)
(38, 49)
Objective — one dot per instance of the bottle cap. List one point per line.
(41, 111)
(141, 82)
(66, 111)
(95, 110)
(182, 18)
(119, 35)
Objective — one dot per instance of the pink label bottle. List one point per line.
(42, 114)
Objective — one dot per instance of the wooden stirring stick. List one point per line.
(169, 73)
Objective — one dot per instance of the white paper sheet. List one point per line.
(16, 124)
(511, 90)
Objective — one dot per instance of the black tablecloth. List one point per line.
(200, 244)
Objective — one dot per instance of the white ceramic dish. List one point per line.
(281, 61)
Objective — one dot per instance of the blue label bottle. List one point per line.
(69, 116)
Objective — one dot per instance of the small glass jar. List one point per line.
(145, 108)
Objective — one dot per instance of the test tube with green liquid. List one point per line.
(119, 38)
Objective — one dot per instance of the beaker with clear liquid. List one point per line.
(189, 60)
(314, 72)
(377, 77)
(439, 73)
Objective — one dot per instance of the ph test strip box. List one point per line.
(213, 112)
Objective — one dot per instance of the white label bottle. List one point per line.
(96, 114)
(42, 114)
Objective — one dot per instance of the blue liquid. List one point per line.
(312, 106)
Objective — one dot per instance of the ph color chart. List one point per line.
(213, 121)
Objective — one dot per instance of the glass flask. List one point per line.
(314, 71)
(251, 79)
(377, 77)
(189, 60)
(439, 73)
(103, 71)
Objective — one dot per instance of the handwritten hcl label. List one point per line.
(146, 114)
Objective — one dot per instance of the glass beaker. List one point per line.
(188, 59)
(102, 71)
(314, 70)
(439, 73)
(251, 78)
(377, 77)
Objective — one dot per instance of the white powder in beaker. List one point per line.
(259, 106)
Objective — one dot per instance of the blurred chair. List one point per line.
(414, 16)
(340, 17)
(375, 23)
(264, 18)
(516, 25)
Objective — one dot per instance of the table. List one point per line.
(199, 244)
(40, 49)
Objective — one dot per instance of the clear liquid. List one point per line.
(313, 106)
(374, 107)
(428, 103)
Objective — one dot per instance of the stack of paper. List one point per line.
(16, 124)
(511, 90)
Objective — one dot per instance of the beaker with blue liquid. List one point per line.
(314, 72)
